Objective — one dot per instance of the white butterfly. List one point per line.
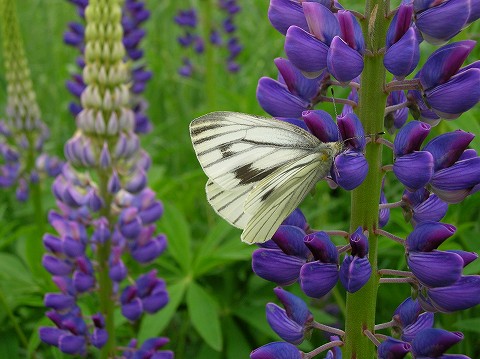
(259, 169)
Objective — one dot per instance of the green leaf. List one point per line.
(203, 312)
(174, 225)
(152, 325)
(255, 316)
(9, 345)
(237, 346)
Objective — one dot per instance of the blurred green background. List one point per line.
(217, 307)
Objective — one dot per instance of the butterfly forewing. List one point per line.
(238, 149)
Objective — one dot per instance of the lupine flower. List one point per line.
(276, 350)
(355, 269)
(331, 38)
(411, 319)
(221, 36)
(22, 132)
(149, 349)
(105, 205)
(403, 50)
(134, 15)
(292, 324)
(422, 205)
(396, 119)
(442, 79)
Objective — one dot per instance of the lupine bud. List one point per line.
(434, 342)
(393, 349)
(317, 278)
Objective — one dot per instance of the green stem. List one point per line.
(104, 282)
(361, 305)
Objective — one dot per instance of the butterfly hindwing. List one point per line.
(274, 199)
(237, 149)
(228, 203)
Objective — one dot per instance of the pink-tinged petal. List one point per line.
(445, 62)
(343, 62)
(321, 21)
(464, 294)
(447, 148)
(321, 125)
(403, 56)
(322, 247)
(410, 137)
(297, 83)
(317, 279)
(275, 266)
(290, 240)
(295, 307)
(456, 96)
(305, 51)
(436, 268)
(393, 349)
(414, 170)
(350, 30)
(284, 13)
(400, 23)
(427, 236)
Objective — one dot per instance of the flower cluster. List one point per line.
(134, 14)
(325, 47)
(105, 207)
(22, 132)
(220, 36)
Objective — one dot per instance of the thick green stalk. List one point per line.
(361, 305)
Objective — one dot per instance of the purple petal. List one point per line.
(322, 125)
(132, 310)
(275, 266)
(305, 51)
(351, 130)
(295, 307)
(297, 83)
(448, 147)
(446, 102)
(322, 247)
(99, 337)
(432, 209)
(58, 301)
(350, 29)
(317, 279)
(285, 327)
(407, 312)
(72, 344)
(433, 342)
(359, 243)
(297, 219)
(464, 294)
(414, 170)
(436, 268)
(393, 349)
(51, 335)
(343, 62)
(350, 169)
(290, 240)
(425, 320)
(400, 23)
(355, 273)
(275, 99)
(427, 236)
(445, 62)
(276, 350)
(321, 21)
(155, 302)
(284, 13)
(440, 23)
(403, 56)
(410, 137)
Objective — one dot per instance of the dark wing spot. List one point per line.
(248, 174)
(267, 194)
(225, 150)
(196, 130)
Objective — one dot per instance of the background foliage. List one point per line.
(217, 305)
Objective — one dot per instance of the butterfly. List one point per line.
(259, 169)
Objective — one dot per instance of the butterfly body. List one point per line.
(259, 169)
